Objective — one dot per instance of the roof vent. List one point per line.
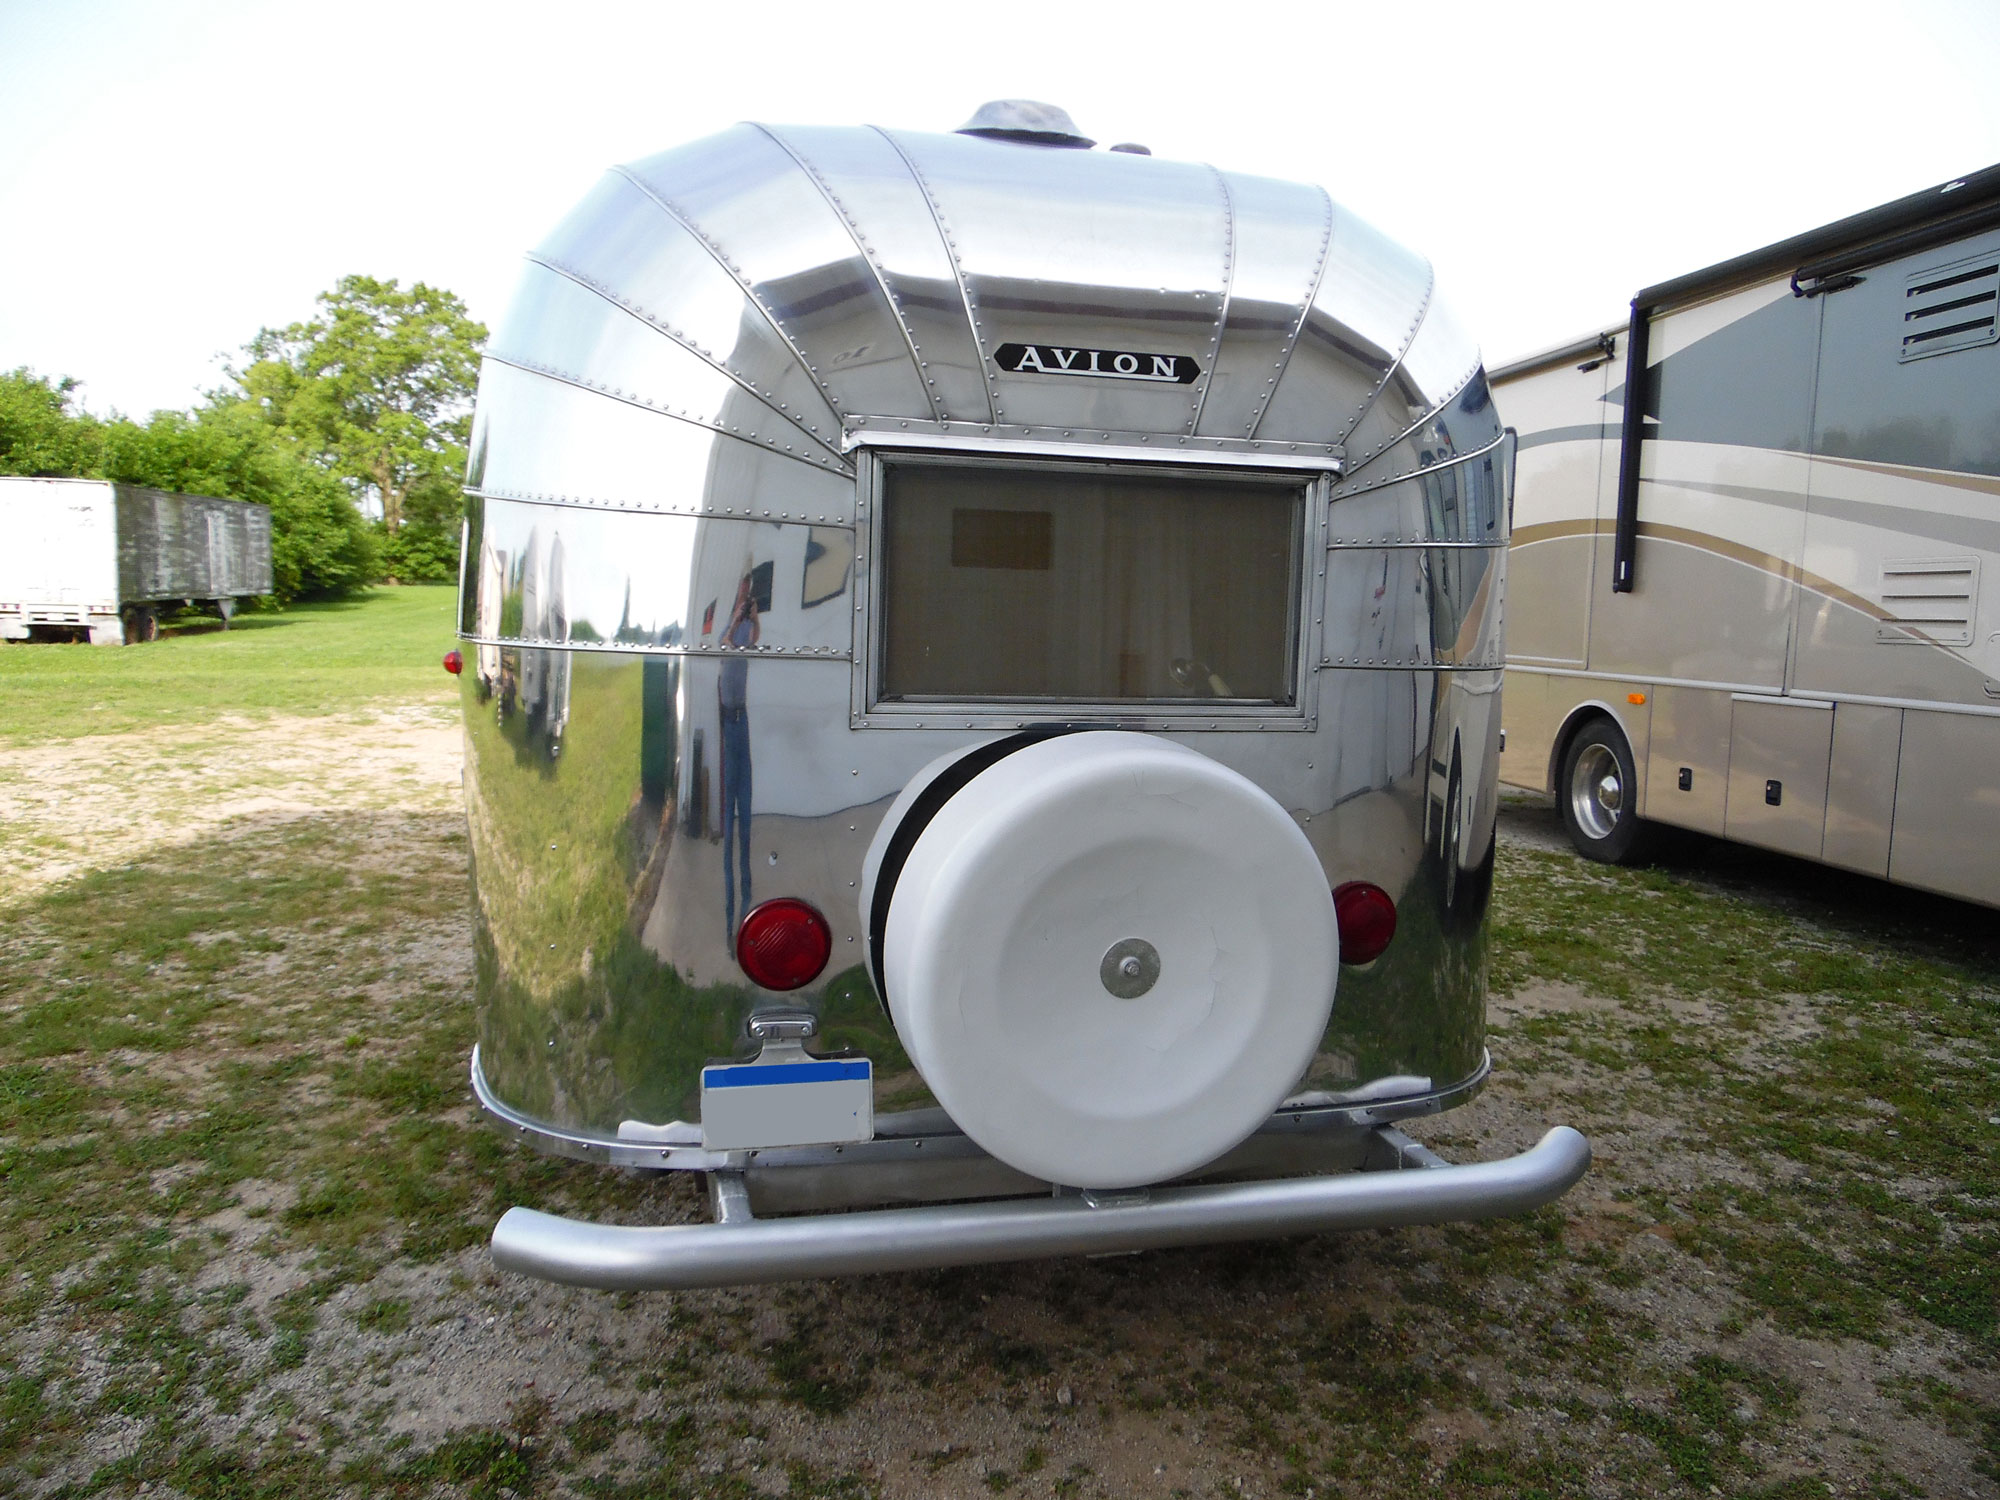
(1028, 122)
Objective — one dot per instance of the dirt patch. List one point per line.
(245, 1233)
(75, 806)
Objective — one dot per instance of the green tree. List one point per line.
(377, 388)
(39, 433)
(320, 545)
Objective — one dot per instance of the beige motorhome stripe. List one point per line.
(1704, 541)
(1958, 479)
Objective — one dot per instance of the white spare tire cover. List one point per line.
(1110, 957)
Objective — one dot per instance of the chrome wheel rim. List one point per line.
(1597, 792)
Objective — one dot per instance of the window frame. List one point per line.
(869, 710)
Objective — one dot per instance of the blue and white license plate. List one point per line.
(803, 1101)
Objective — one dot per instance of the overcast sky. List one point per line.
(176, 174)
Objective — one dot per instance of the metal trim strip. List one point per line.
(674, 335)
(564, 377)
(1222, 303)
(630, 648)
(950, 243)
(1299, 323)
(717, 513)
(721, 257)
(861, 246)
(1343, 492)
(1409, 338)
(997, 439)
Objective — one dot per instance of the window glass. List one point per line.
(1096, 586)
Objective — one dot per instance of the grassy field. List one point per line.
(243, 1201)
(308, 659)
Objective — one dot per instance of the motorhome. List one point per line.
(1758, 599)
(1022, 623)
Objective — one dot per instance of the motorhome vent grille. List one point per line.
(1951, 307)
(1929, 601)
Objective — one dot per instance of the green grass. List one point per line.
(308, 659)
(243, 1197)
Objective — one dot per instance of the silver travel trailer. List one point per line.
(1760, 602)
(1031, 634)
(94, 560)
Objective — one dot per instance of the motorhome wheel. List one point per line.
(1598, 795)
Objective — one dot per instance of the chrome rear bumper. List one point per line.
(1400, 1183)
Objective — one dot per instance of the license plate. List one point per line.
(800, 1102)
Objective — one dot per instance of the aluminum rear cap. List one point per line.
(1027, 121)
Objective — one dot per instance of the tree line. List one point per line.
(370, 399)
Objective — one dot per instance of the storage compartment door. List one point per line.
(1779, 750)
(1948, 806)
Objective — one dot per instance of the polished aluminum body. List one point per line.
(691, 402)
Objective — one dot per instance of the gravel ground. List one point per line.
(247, 1256)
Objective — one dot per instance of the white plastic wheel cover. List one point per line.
(995, 948)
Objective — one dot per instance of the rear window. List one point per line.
(1096, 585)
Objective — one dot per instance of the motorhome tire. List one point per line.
(1596, 795)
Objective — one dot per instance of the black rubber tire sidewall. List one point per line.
(1626, 837)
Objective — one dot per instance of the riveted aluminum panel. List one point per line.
(1441, 358)
(1462, 503)
(537, 436)
(1087, 249)
(1413, 607)
(628, 246)
(632, 581)
(636, 778)
(1371, 299)
(1281, 235)
(560, 327)
(762, 213)
(870, 185)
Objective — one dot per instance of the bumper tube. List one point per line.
(742, 1250)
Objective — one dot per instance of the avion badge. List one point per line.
(1105, 364)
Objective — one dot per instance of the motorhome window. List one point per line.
(1100, 585)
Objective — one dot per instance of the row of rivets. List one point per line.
(813, 653)
(1206, 444)
(647, 403)
(868, 253)
(686, 340)
(699, 512)
(950, 238)
(714, 248)
(1200, 395)
(1456, 391)
(1299, 323)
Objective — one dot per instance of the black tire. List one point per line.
(1596, 793)
(142, 624)
(1451, 834)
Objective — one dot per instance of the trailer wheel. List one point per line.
(1597, 793)
(142, 623)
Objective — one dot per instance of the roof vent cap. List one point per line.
(1028, 122)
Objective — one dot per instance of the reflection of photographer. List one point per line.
(741, 634)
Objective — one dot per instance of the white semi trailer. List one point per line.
(89, 559)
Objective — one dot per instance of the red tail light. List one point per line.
(783, 944)
(454, 663)
(1367, 920)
